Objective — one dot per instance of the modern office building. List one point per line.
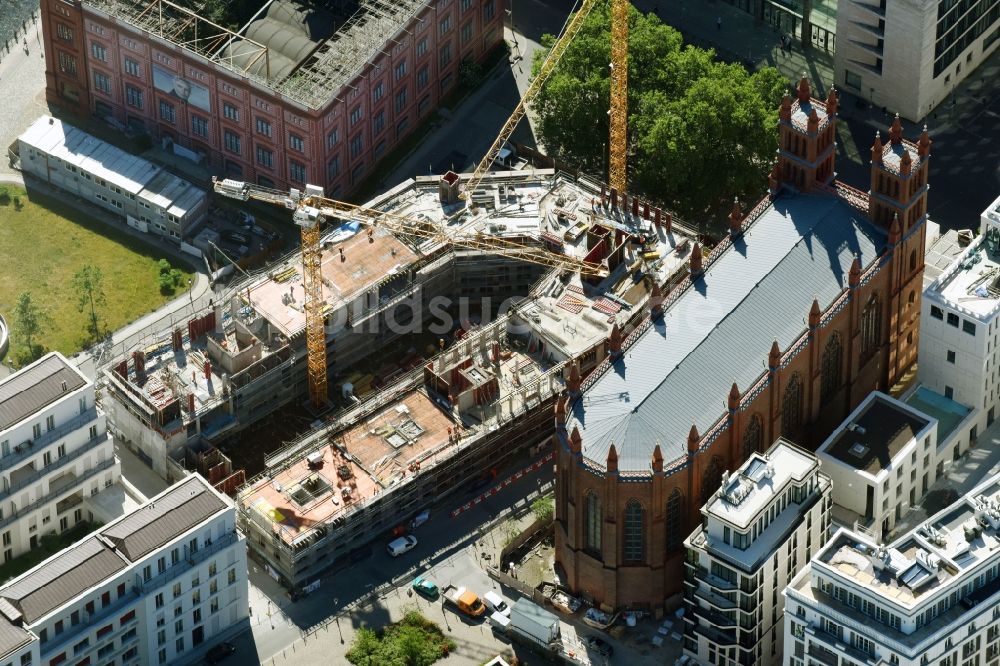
(149, 588)
(784, 340)
(759, 529)
(55, 453)
(808, 22)
(909, 55)
(931, 596)
(149, 198)
(295, 93)
(882, 460)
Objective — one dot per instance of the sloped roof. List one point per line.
(167, 516)
(60, 579)
(679, 372)
(35, 387)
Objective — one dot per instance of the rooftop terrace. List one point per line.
(874, 436)
(972, 283)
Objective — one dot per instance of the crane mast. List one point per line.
(618, 115)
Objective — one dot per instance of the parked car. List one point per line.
(425, 587)
(420, 519)
(220, 652)
(600, 646)
(494, 603)
(403, 544)
(234, 237)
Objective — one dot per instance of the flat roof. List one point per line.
(34, 387)
(352, 262)
(971, 284)
(948, 412)
(870, 439)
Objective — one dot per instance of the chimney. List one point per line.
(191, 403)
(448, 187)
(64, 385)
(208, 369)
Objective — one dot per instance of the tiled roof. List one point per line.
(679, 372)
(167, 516)
(33, 388)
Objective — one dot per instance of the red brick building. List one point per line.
(295, 96)
(811, 302)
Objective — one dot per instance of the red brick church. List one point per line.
(809, 304)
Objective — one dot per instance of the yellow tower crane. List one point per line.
(618, 114)
(311, 208)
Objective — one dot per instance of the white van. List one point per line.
(397, 547)
(499, 622)
(496, 604)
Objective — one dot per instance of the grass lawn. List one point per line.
(44, 244)
(47, 546)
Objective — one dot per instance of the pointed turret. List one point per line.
(814, 314)
(657, 459)
(615, 340)
(804, 90)
(612, 462)
(812, 123)
(560, 411)
(655, 300)
(896, 131)
(895, 230)
(693, 439)
(785, 112)
(774, 356)
(905, 163)
(574, 381)
(854, 279)
(877, 148)
(924, 144)
(735, 218)
(774, 179)
(575, 440)
(734, 397)
(695, 260)
(831, 101)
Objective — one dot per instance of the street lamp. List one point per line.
(510, 13)
(191, 293)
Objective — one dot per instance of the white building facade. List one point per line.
(908, 55)
(157, 586)
(758, 531)
(55, 452)
(882, 459)
(931, 597)
(960, 334)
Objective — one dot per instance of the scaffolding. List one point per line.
(314, 81)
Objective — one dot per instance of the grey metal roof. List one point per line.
(11, 638)
(166, 517)
(60, 579)
(680, 370)
(35, 387)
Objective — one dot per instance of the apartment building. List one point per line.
(960, 356)
(149, 198)
(882, 459)
(909, 55)
(149, 588)
(55, 452)
(759, 529)
(301, 93)
(931, 597)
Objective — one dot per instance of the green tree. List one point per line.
(700, 131)
(89, 285)
(29, 321)
(544, 508)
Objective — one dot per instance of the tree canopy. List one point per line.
(700, 131)
(415, 641)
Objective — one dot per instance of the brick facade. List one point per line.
(671, 492)
(99, 65)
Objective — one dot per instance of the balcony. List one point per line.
(25, 481)
(712, 617)
(51, 496)
(189, 561)
(23, 450)
(714, 599)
